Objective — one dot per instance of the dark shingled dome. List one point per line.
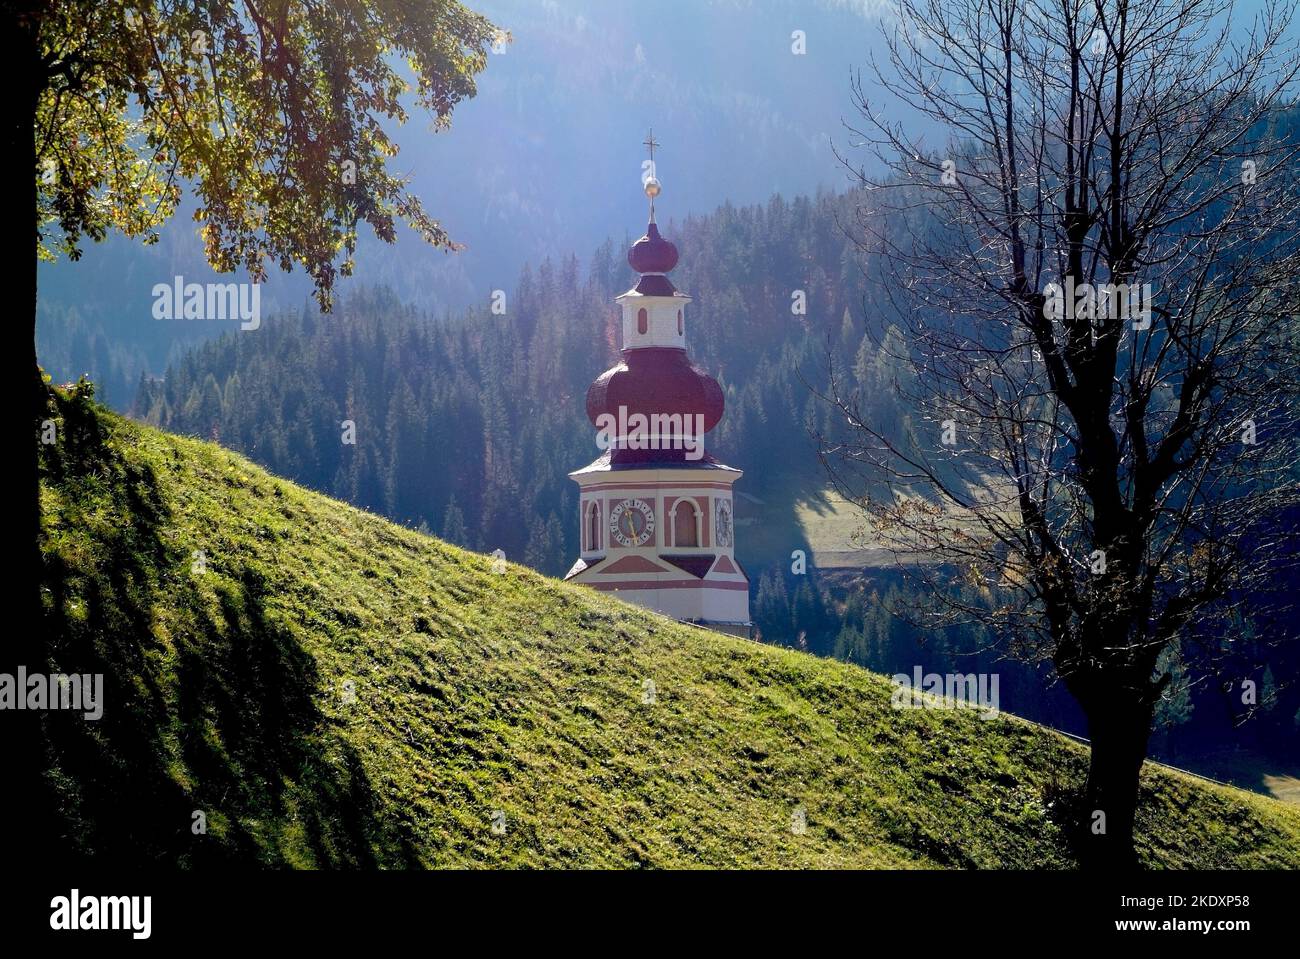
(652, 253)
(655, 380)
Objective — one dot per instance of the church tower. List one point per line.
(656, 509)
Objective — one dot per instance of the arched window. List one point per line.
(593, 527)
(642, 320)
(679, 322)
(685, 532)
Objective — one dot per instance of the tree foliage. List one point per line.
(279, 113)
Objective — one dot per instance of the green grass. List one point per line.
(478, 691)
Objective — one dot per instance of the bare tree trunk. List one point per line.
(1119, 732)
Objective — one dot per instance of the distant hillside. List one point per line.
(329, 689)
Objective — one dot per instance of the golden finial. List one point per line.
(651, 181)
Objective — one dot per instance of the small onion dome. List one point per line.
(656, 380)
(652, 253)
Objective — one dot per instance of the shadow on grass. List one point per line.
(220, 717)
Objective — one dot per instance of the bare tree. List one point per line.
(1095, 270)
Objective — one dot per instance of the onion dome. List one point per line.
(656, 382)
(652, 253)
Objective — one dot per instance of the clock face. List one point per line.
(722, 523)
(631, 522)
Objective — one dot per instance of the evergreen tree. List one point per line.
(453, 524)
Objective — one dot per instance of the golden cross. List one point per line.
(651, 143)
(650, 178)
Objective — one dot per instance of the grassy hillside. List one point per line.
(333, 690)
